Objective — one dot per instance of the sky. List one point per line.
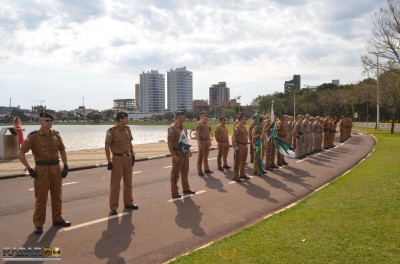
(65, 53)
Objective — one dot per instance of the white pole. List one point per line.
(377, 91)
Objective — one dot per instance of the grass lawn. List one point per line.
(355, 219)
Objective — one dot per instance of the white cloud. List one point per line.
(103, 45)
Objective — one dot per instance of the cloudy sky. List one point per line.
(62, 51)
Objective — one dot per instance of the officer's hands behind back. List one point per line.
(109, 166)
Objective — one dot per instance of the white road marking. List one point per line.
(67, 183)
(92, 222)
(212, 159)
(137, 172)
(232, 182)
(167, 167)
(186, 196)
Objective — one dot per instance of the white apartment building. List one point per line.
(179, 90)
(152, 92)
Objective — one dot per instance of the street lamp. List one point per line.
(377, 88)
(238, 98)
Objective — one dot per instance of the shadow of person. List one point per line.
(214, 183)
(116, 239)
(256, 191)
(189, 216)
(35, 240)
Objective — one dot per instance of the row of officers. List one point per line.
(305, 134)
(47, 149)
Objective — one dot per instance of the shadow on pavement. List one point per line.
(214, 183)
(35, 240)
(116, 239)
(256, 191)
(189, 216)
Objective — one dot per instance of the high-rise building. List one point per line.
(152, 92)
(137, 96)
(219, 94)
(179, 90)
(125, 104)
(293, 84)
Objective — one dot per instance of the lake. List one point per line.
(78, 137)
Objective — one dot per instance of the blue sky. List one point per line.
(61, 51)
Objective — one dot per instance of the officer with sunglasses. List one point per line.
(47, 148)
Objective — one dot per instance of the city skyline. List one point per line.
(61, 51)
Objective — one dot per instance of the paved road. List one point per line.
(164, 228)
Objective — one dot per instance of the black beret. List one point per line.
(204, 113)
(121, 115)
(46, 115)
(177, 113)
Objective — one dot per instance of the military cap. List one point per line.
(203, 113)
(121, 115)
(178, 113)
(46, 115)
(254, 116)
(222, 117)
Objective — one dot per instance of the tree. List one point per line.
(389, 88)
(169, 116)
(384, 42)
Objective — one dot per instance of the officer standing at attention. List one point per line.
(252, 125)
(222, 137)
(239, 143)
(180, 160)
(47, 148)
(281, 130)
(203, 143)
(119, 143)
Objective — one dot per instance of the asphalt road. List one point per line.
(164, 228)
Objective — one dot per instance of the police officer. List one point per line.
(203, 143)
(298, 137)
(251, 127)
(281, 130)
(119, 142)
(47, 148)
(222, 137)
(180, 159)
(239, 143)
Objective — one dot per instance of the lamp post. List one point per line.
(377, 88)
(238, 98)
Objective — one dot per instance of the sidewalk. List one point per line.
(93, 158)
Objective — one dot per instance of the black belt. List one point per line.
(47, 162)
(122, 155)
(241, 143)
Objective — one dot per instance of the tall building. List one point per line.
(126, 104)
(137, 96)
(179, 90)
(336, 82)
(219, 94)
(293, 84)
(152, 92)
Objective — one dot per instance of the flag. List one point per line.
(183, 143)
(281, 147)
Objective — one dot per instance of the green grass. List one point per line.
(355, 219)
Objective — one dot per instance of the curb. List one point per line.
(99, 165)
